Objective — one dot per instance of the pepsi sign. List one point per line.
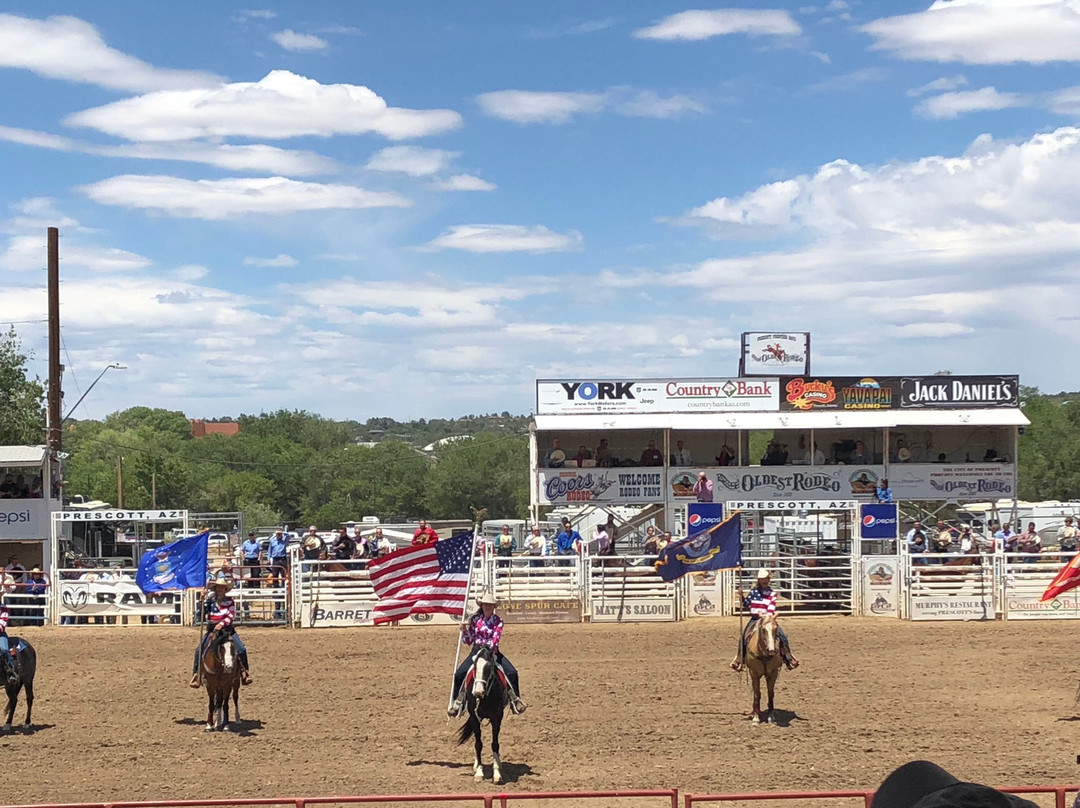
(878, 520)
(703, 515)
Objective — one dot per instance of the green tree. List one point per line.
(22, 399)
(489, 471)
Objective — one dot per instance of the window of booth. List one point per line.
(588, 449)
(703, 449)
(976, 444)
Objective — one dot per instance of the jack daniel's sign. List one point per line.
(959, 392)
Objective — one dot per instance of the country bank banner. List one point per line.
(585, 396)
(805, 393)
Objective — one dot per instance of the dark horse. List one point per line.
(485, 697)
(221, 675)
(25, 666)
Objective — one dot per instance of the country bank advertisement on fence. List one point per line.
(570, 397)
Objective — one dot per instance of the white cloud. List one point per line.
(984, 32)
(281, 105)
(254, 157)
(529, 106)
(824, 58)
(71, 49)
(953, 105)
(415, 161)
(228, 198)
(851, 81)
(281, 260)
(697, 24)
(943, 85)
(290, 40)
(463, 182)
(572, 29)
(255, 14)
(769, 205)
(497, 238)
(27, 252)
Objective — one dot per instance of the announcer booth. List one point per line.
(799, 456)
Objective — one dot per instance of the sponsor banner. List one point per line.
(634, 610)
(91, 597)
(618, 485)
(959, 392)
(540, 611)
(559, 397)
(703, 515)
(114, 515)
(705, 596)
(878, 520)
(796, 482)
(880, 586)
(968, 482)
(770, 354)
(791, 504)
(1027, 606)
(840, 393)
(23, 519)
(326, 613)
(942, 606)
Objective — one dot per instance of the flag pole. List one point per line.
(465, 605)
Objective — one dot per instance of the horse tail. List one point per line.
(468, 729)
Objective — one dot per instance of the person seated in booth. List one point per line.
(582, 455)
(652, 456)
(555, 457)
(862, 456)
(682, 456)
(725, 457)
(36, 489)
(991, 456)
(901, 454)
(603, 454)
(7, 487)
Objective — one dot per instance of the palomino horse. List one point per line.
(221, 675)
(486, 698)
(25, 666)
(763, 659)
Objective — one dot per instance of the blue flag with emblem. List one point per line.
(180, 565)
(718, 548)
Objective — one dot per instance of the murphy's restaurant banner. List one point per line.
(811, 393)
(582, 396)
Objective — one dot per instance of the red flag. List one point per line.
(1068, 578)
(424, 579)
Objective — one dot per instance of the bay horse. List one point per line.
(221, 676)
(763, 660)
(485, 699)
(25, 666)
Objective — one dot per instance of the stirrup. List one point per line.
(791, 663)
(245, 677)
(195, 681)
(517, 706)
(736, 665)
(456, 708)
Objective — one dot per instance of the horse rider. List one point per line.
(6, 663)
(220, 611)
(762, 601)
(484, 629)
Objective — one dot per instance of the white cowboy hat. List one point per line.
(763, 574)
(221, 579)
(312, 543)
(487, 597)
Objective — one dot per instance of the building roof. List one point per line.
(833, 419)
(22, 455)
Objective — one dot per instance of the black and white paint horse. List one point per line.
(20, 676)
(486, 698)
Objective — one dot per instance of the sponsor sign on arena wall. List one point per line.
(326, 613)
(794, 482)
(576, 396)
(644, 484)
(959, 392)
(946, 606)
(23, 518)
(971, 482)
(805, 393)
(92, 598)
(634, 610)
(880, 586)
(878, 520)
(775, 354)
(114, 515)
(703, 515)
(1030, 607)
(540, 611)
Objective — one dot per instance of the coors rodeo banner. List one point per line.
(806, 393)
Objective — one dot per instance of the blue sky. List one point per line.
(417, 209)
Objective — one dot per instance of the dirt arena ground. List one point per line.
(360, 711)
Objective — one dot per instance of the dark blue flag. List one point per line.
(718, 548)
(180, 565)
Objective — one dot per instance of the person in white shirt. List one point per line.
(599, 541)
(1067, 536)
(682, 456)
(537, 547)
(818, 456)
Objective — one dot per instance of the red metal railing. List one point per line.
(689, 800)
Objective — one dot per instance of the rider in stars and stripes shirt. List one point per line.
(762, 602)
(220, 611)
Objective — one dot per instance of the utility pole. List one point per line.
(55, 436)
(119, 482)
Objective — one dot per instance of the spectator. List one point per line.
(1030, 544)
(504, 545)
(537, 547)
(599, 540)
(883, 493)
(360, 543)
(344, 547)
(313, 545)
(613, 534)
(725, 457)
(943, 539)
(915, 528)
(278, 553)
(554, 458)
(968, 544)
(665, 540)
(901, 454)
(682, 456)
(815, 459)
(251, 551)
(603, 454)
(36, 490)
(703, 488)
(652, 538)
(7, 487)
(1067, 536)
(22, 490)
(652, 456)
(582, 455)
(1005, 539)
(427, 535)
(917, 546)
(566, 540)
(16, 570)
(36, 587)
(861, 456)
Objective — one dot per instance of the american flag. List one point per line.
(426, 579)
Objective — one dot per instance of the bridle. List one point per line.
(483, 673)
(763, 635)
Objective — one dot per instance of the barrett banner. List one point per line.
(959, 392)
(621, 396)
(770, 354)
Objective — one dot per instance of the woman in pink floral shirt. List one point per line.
(484, 630)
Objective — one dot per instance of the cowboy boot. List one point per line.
(736, 665)
(245, 674)
(195, 681)
(789, 661)
(457, 704)
(517, 706)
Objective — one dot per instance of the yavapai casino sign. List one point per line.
(557, 397)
